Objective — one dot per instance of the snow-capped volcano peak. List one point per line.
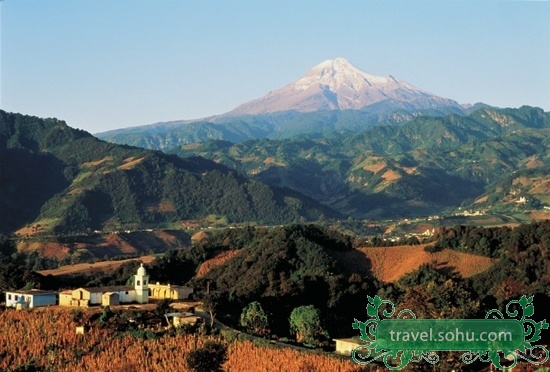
(336, 84)
(336, 73)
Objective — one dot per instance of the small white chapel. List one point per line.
(107, 296)
(141, 292)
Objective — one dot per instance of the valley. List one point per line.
(487, 160)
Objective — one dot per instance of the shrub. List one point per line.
(209, 358)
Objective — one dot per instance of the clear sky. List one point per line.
(107, 64)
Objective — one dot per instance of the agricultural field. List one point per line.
(46, 339)
(94, 268)
(389, 264)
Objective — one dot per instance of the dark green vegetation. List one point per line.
(282, 268)
(285, 124)
(66, 181)
(254, 319)
(279, 270)
(306, 324)
(523, 252)
(208, 358)
(286, 268)
(428, 165)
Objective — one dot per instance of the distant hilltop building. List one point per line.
(522, 200)
(139, 293)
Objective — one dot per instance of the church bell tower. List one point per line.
(141, 284)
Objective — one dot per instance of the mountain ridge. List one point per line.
(87, 184)
(425, 166)
(338, 85)
(359, 99)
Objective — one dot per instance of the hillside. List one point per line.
(423, 167)
(389, 264)
(48, 252)
(96, 268)
(58, 179)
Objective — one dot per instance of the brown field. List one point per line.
(201, 235)
(156, 206)
(483, 199)
(29, 230)
(110, 245)
(46, 340)
(192, 146)
(534, 162)
(541, 187)
(391, 175)
(36, 228)
(375, 168)
(410, 170)
(388, 264)
(116, 240)
(46, 249)
(94, 268)
(97, 162)
(218, 260)
(540, 215)
(130, 163)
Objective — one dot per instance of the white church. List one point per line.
(107, 296)
(141, 292)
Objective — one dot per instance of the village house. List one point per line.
(179, 319)
(32, 298)
(140, 293)
(170, 292)
(108, 296)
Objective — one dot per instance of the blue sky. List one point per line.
(107, 64)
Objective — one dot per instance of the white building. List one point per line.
(345, 346)
(139, 293)
(31, 298)
(106, 296)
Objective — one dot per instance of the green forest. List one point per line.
(86, 184)
(428, 165)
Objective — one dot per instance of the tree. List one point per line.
(7, 247)
(209, 358)
(254, 319)
(305, 322)
(11, 277)
(163, 306)
(106, 314)
(212, 303)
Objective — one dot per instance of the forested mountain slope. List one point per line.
(66, 180)
(425, 166)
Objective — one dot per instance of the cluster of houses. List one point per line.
(141, 292)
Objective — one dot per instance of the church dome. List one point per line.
(141, 271)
